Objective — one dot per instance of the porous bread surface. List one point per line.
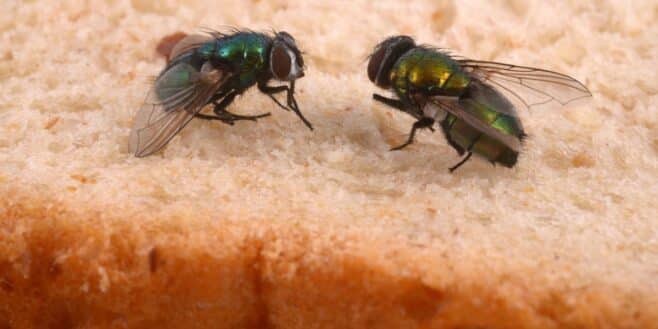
(270, 225)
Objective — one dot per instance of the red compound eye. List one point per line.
(281, 62)
(375, 63)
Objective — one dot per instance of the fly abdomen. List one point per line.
(492, 108)
(464, 138)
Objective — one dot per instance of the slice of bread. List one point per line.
(269, 225)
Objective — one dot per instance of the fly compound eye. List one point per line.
(375, 63)
(283, 63)
(385, 56)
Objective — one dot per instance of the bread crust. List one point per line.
(267, 225)
(64, 268)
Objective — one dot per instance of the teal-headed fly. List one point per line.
(212, 70)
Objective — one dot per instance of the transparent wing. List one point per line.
(527, 85)
(188, 43)
(452, 106)
(177, 95)
(194, 41)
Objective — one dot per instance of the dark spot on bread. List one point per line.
(167, 44)
(55, 316)
(154, 259)
(4, 323)
(421, 302)
(6, 285)
(55, 269)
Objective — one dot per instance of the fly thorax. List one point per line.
(207, 50)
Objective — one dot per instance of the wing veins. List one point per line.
(524, 83)
(550, 97)
(176, 112)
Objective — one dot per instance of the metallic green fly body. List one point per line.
(474, 102)
(214, 69)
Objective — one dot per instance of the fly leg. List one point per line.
(292, 103)
(225, 116)
(270, 91)
(468, 156)
(220, 95)
(395, 103)
(398, 105)
(422, 123)
(230, 118)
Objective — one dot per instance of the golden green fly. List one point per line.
(474, 102)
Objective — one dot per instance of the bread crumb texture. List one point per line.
(269, 225)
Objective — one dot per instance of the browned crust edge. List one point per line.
(60, 269)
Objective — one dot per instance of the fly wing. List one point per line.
(452, 106)
(527, 85)
(177, 95)
(190, 42)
